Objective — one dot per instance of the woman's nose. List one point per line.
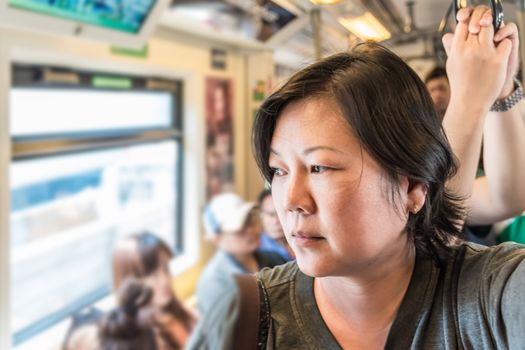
(298, 197)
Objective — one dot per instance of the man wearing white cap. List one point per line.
(235, 227)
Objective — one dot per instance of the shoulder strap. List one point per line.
(247, 327)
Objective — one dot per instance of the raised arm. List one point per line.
(500, 194)
(477, 70)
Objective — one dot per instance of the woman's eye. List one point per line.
(277, 171)
(318, 168)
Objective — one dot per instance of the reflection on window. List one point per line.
(67, 212)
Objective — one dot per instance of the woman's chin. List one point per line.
(312, 268)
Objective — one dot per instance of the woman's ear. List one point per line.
(416, 195)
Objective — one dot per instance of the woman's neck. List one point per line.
(364, 307)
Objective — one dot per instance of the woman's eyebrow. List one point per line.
(311, 149)
(320, 148)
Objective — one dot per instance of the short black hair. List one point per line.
(435, 73)
(390, 111)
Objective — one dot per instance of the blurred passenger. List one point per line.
(146, 258)
(127, 327)
(437, 85)
(236, 226)
(272, 238)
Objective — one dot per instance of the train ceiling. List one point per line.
(287, 26)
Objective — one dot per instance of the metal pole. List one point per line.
(520, 16)
(315, 20)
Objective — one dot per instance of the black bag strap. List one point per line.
(247, 327)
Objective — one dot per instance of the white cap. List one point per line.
(226, 213)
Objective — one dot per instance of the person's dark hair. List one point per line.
(150, 248)
(141, 259)
(435, 73)
(262, 196)
(391, 113)
(125, 328)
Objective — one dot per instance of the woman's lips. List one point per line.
(302, 239)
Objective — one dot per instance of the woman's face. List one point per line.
(160, 282)
(331, 196)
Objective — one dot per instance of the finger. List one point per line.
(464, 14)
(475, 19)
(461, 33)
(509, 31)
(486, 36)
(486, 19)
(504, 48)
(447, 42)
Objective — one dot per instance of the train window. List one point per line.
(101, 111)
(71, 202)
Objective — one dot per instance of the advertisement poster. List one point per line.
(219, 136)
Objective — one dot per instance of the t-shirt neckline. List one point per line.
(314, 328)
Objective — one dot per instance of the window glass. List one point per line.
(76, 110)
(67, 212)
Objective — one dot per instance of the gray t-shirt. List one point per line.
(476, 301)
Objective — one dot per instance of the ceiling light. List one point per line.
(366, 27)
